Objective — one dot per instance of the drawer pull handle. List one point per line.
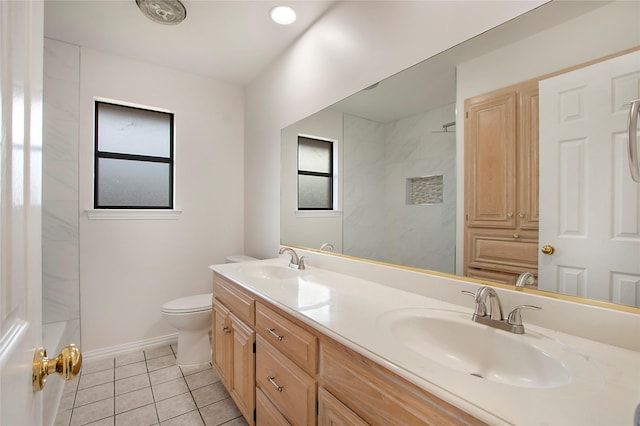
(275, 385)
(274, 334)
(226, 330)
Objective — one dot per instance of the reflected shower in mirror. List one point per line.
(400, 159)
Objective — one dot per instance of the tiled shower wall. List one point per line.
(378, 222)
(60, 244)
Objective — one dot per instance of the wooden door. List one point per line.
(590, 207)
(528, 162)
(490, 161)
(220, 339)
(243, 383)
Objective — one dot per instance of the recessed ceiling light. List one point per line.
(283, 15)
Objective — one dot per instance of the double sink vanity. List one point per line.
(349, 342)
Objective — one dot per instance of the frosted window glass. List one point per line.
(133, 183)
(133, 131)
(314, 192)
(314, 155)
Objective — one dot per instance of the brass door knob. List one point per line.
(68, 364)
(547, 249)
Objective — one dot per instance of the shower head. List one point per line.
(445, 128)
(168, 12)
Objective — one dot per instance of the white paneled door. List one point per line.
(589, 205)
(21, 41)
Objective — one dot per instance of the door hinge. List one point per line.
(254, 347)
(317, 408)
(255, 416)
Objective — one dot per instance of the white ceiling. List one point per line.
(230, 41)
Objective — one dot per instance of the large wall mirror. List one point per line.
(399, 156)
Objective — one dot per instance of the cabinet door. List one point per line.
(242, 386)
(332, 412)
(490, 161)
(220, 341)
(528, 162)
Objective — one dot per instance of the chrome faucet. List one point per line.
(326, 247)
(295, 263)
(493, 315)
(495, 307)
(525, 278)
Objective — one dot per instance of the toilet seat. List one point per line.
(189, 304)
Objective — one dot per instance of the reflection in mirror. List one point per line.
(400, 152)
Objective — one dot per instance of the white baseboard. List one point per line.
(130, 347)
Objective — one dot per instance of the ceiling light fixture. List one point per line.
(168, 12)
(283, 15)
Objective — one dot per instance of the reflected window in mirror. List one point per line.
(315, 174)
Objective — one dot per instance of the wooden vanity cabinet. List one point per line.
(296, 375)
(377, 396)
(233, 343)
(501, 183)
(286, 365)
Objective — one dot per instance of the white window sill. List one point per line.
(318, 213)
(133, 214)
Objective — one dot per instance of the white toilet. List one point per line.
(191, 316)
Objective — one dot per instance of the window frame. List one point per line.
(331, 175)
(133, 157)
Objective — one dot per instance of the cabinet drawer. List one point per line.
(237, 300)
(266, 413)
(290, 389)
(501, 251)
(292, 340)
(380, 397)
(495, 276)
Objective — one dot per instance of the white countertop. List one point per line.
(605, 389)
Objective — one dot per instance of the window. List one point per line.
(315, 174)
(133, 158)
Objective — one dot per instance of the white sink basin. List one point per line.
(453, 340)
(269, 271)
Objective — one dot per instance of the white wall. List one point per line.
(129, 268)
(354, 45)
(309, 229)
(605, 30)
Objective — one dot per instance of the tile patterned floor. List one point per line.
(146, 388)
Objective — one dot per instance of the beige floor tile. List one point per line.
(195, 368)
(238, 421)
(192, 418)
(130, 370)
(158, 351)
(93, 366)
(209, 394)
(164, 375)
(220, 412)
(143, 416)
(201, 379)
(175, 406)
(109, 421)
(132, 383)
(95, 379)
(161, 362)
(132, 400)
(129, 358)
(92, 412)
(93, 394)
(169, 389)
